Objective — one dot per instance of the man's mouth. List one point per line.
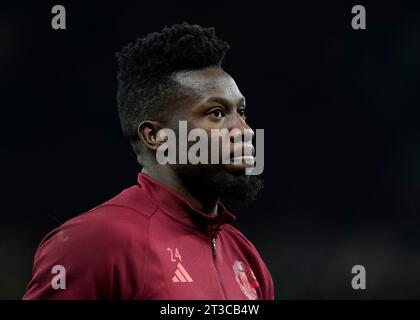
(242, 156)
(243, 161)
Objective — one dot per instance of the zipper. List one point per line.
(213, 245)
(213, 235)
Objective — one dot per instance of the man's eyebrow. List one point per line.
(223, 101)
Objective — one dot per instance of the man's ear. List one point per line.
(147, 132)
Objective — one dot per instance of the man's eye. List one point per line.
(217, 113)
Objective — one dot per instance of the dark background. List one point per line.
(340, 109)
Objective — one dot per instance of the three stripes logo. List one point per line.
(181, 275)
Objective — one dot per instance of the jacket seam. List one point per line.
(149, 249)
(127, 207)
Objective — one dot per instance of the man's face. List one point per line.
(216, 103)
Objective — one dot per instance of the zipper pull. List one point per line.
(213, 244)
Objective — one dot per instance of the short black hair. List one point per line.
(146, 68)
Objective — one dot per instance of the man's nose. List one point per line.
(240, 130)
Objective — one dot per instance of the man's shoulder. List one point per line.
(132, 199)
(235, 233)
(128, 207)
(240, 239)
(93, 247)
(117, 220)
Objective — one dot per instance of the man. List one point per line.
(167, 237)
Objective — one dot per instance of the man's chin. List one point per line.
(241, 189)
(229, 182)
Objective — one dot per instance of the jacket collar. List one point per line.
(178, 208)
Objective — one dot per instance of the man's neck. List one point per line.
(204, 202)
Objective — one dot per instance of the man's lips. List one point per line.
(242, 155)
(245, 161)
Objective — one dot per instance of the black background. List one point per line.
(339, 108)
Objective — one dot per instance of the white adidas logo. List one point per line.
(181, 275)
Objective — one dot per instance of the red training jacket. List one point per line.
(148, 243)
